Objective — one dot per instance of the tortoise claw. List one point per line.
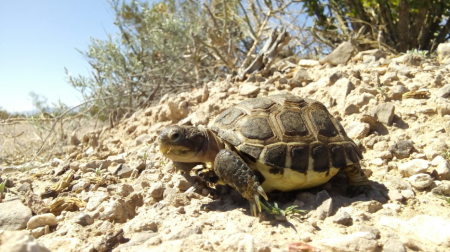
(261, 191)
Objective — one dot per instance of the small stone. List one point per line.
(443, 92)
(343, 218)
(20, 241)
(118, 159)
(394, 245)
(394, 195)
(95, 200)
(385, 113)
(14, 215)
(301, 75)
(393, 207)
(340, 55)
(408, 194)
(357, 130)
(25, 187)
(177, 200)
(325, 205)
(308, 63)
(40, 231)
(397, 183)
(42, 220)
(144, 138)
(124, 171)
(437, 160)
(413, 167)
(432, 229)
(443, 170)
(156, 190)
(124, 190)
(183, 182)
(401, 149)
(420, 181)
(84, 219)
(347, 243)
(249, 90)
(340, 90)
(443, 52)
(396, 92)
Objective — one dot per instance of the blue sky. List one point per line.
(38, 39)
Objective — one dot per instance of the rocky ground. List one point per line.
(115, 191)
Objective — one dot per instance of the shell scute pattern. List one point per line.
(286, 134)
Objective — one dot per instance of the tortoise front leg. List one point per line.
(232, 170)
(357, 181)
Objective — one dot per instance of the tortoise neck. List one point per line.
(211, 146)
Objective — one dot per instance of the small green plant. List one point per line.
(144, 157)
(446, 154)
(97, 171)
(276, 210)
(421, 53)
(2, 188)
(442, 197)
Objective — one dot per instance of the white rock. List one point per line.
(20, 241)
(413, 167)
(393, 207)
(434, 229)
(308, 63)
(95, 200)
(443, 51)
(249, 90)
(437, 160)
(42, 220)
(340, 90)
(357, 130)
(14, 215)
(349, 243)
(376, 161)
(408, 194)
(443, 170)
(420, 181)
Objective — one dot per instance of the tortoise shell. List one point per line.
(289, 142)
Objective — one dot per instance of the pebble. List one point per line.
(84, 219)
(357, 130)
(443, 170)
(420, 181)
(14, 215)
(394, 245)
(156, 190)
(413, 167)
(343, 218)
(249, 90)
(20, 241)
(42, 220)
(433, 229)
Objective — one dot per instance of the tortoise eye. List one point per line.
(175, 137)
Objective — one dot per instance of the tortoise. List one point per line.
(276, 143)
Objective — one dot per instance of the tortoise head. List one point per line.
(183, 143)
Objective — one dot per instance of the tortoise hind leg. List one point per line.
(358, 183)
(231, 169)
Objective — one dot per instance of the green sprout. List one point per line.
(278, 211)
(2, 188)
(442, 197)
(421, 53)
(98, 171)
(446, 154)
(144, 157)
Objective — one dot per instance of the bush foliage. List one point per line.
(176, 45)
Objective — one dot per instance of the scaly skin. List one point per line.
(231, 169)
